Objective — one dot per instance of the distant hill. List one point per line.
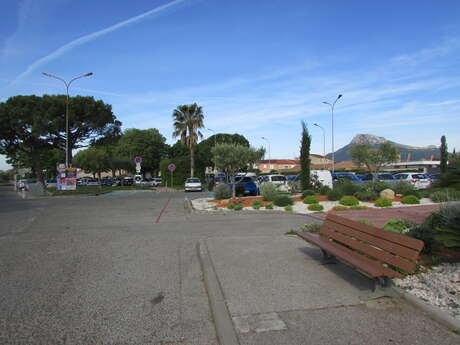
(416, 153)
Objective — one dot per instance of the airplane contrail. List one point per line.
(87, 38)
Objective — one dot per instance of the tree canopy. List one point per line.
(374, 158)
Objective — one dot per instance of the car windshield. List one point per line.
(192, 180)
(385, 177)
(278, 178)
(418, 176)
(243, 179)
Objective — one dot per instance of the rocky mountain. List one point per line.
(407, 152)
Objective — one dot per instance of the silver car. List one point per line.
(193, 184)
(417, 179)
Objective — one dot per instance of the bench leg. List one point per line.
(327, 258)
(384, 282)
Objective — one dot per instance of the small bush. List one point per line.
(347, 187)
(366, 195)
(424, 233)
(222, 191)
(313, 228)
(231, 205)
(238, 206)
(323, 190)
(294, 186)
(288, 208)
(307, 192)
(269, 206)
(366, 221)
(410, 200)
(445, 195)
(349, 201)
(448, 225)
(311, 199)
(315, 207)
(239, 189)
(334, 195)
(283, 200)
(359, 207)
(340, 208)
(398, 225)
(377, 186)
(383, 203)
(404, 188)
(269, 191)
(256, 204)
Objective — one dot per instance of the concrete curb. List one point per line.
(223, 323)
(433, 312)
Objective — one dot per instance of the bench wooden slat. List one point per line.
(367, 266)
(392, 247)
(386, 235)
(381, 255)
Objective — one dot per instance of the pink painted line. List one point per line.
(162, 210)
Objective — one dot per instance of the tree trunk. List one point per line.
(38, 170)
(192, 162)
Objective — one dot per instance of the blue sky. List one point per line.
(257, 67)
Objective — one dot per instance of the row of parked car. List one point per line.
(419, 180)
(120, 181)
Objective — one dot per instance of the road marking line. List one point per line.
(162, 210)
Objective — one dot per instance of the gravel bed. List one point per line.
(439, 286)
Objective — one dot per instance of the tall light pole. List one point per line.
(332, 113)
(67, 130)
(215, 143)
(324, 144)
(269, 157)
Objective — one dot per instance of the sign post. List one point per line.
(171, 168)
(138, 161)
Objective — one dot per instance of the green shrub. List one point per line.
(231, 205)
(398, 225)
(323, 190)
(256, 204)
(377, 186)
(334, 195)
(410, 200)
(366, 221)
(222, 191)
(347, 187)
(383, 203)
(349, 201)
(423, 233)
(311, 199)
(315, 207)
(239, 189)
(404, 188)
(269, 191)
(445, 195)
(238, 206)
(340, 208)
(366, 195)
(283, 200)
(359, 207)
(447, 228)
(288, 208)
(308, 192)
(313, 228)
(269, 206)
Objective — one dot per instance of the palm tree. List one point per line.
(188, 119)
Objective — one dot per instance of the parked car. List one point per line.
(81, 181)
(23, 184)
(127, 181)
(249, 185)
(92, 182)
(336, 176)
(322, 176)
(156, 181)
(382, 177)
(193, 184)
(107, 181)
(51, 183)
(292, 177)
(278, 180)
(146, 183)
(420, 181)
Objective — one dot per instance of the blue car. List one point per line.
(250, 187)
(346, 175)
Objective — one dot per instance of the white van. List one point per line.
(323, 176)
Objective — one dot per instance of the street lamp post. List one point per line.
(324, 144)
(67, 130)
(332, 113)
(215, 143)
(269, 157)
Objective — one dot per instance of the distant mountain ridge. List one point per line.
(407, 152)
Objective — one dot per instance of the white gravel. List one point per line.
(440, 287)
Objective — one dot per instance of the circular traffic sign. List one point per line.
(138, 160)
(171, 167)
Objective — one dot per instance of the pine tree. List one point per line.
(444, 154)
(305, 158)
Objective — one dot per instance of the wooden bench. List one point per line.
(374, 252)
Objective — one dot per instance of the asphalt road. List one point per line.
(120, 268)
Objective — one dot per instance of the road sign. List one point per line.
(171, 167)
(138, 160)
